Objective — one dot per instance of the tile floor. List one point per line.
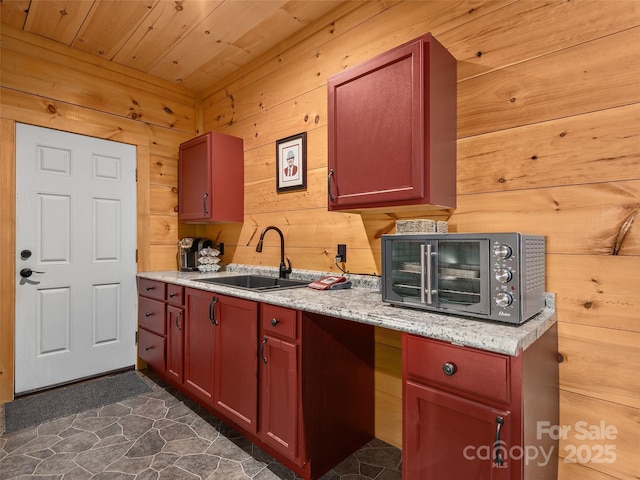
(161, 436)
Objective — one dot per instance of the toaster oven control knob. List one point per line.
(504, 299)
(502, 251)
(503, 275)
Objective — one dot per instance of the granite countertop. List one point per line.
(363, 303)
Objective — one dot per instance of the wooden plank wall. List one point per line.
(548, 109)
(53, 86)
(548, 143)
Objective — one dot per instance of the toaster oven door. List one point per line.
(443, 275)
(461, 270)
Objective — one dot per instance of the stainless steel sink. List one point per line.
(255, 282)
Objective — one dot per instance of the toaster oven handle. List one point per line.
(429, 298)
(422, 273)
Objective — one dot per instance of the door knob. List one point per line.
(27, 272)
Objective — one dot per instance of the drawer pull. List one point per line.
(264, 342)
(171, 295)
(150, 288)
(331, 174)
(148, 348)
(212, 310)
(148, 314)
(274, 322)
(178, 321)
(497, 444)
(449, 369)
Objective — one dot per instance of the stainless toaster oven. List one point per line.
(495, 276)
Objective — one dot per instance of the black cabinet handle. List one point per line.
(171, 295)
(212, 310)
(449, 369)
(148, 348)
(274, 322)
(150, 288)
(148, 314)
(331, 174)
(204, 203)
(178, 321)
(497, 443)
(264, 342)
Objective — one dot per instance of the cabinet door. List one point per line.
(199, 343)
(279, 395)
(194, 179)
(392, 129)
(175, 339)
(375, 133)
(211, 179)
(236, 361)
(446, 436)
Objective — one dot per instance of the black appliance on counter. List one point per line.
(188, 252)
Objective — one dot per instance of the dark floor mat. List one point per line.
(63, 401)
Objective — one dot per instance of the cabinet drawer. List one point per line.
(278, 321)
(175, 295)
(151, 315)
(151, 288)
(473, 371)
(151, 349)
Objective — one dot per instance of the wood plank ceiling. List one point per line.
(194, 43)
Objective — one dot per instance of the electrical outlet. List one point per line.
(342, 252)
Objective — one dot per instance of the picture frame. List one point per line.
(291, 163)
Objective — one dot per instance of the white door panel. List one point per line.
(76, 214)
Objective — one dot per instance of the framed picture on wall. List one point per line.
(291, 163)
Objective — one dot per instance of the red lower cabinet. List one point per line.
(199, 343)
(152, 323)
(245, 362)
(446, 434)
(279, 391)
(235, 392)
(474, 414)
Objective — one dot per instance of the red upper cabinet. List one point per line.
(211, 179)
(392, 130)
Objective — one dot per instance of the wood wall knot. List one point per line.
(168, 110)
(622, 232)
(52, 108)
(587, 304)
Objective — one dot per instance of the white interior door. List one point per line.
(76, 230)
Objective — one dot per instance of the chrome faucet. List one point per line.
(285, 270)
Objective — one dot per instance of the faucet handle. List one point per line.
(285, 269)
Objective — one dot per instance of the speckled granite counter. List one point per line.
(363, 303)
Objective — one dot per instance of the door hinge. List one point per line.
(136, 339)
(136, 255)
